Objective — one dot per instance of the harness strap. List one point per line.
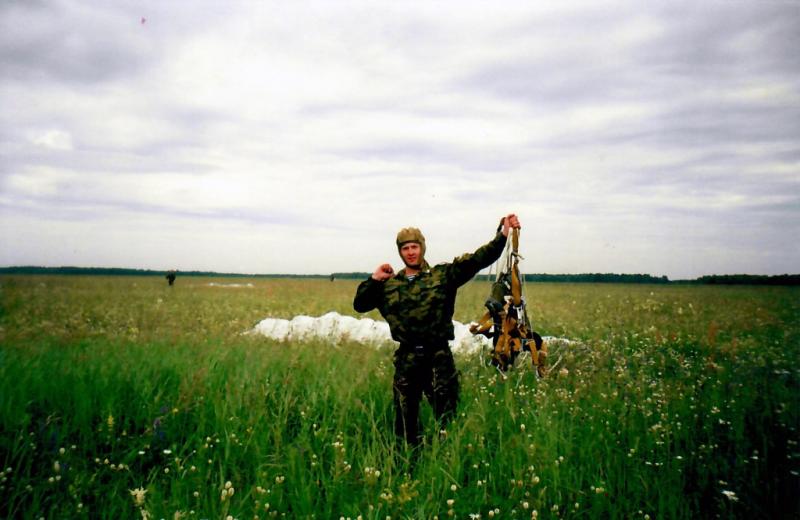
(506, 321)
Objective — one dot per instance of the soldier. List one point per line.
(171, 276)
(418, 303)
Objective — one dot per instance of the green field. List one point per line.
(124, 398)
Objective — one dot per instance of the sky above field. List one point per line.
(298, 137)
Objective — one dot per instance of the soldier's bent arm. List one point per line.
(368, 295)
(468, 265)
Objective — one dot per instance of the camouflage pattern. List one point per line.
(420, 316)
(431, 372)
(420, 311)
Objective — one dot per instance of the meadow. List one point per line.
(121, 397)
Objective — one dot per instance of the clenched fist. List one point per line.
(383, 273)
(509, 222)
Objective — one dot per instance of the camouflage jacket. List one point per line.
(420, 311)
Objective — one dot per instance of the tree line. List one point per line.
(714, 279)
(123, 271)
(750, 279)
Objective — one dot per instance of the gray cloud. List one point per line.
(71, 205)
(631, 136)
(472, 163)
(696, 48)
(68, 42)
(720, 41)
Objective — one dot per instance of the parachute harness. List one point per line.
(506, 319)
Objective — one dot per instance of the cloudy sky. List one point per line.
(298, 137)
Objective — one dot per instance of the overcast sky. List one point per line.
(298, 137)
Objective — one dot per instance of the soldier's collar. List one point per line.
(424, 268)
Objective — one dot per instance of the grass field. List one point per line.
(125, 398)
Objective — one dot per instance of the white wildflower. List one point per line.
(138, 496)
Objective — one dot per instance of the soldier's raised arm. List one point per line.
(465, 267)
(368, 294)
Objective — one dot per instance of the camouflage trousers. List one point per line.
(423, 371)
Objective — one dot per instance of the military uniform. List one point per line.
(420, 316)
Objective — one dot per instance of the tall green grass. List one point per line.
(676, 402)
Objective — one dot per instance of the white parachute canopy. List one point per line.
(334, 328)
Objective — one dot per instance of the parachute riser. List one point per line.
(506, 320)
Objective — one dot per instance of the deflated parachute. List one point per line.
(334, 328)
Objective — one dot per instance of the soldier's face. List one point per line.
(411, 253)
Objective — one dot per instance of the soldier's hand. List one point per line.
(510, 221)
(383, 273)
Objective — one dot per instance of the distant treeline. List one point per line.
(351, 276)
(596, 278)
(750, 279)
(726, 279)
(122, 271)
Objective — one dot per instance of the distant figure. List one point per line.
(332, 276)
(171, 276)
